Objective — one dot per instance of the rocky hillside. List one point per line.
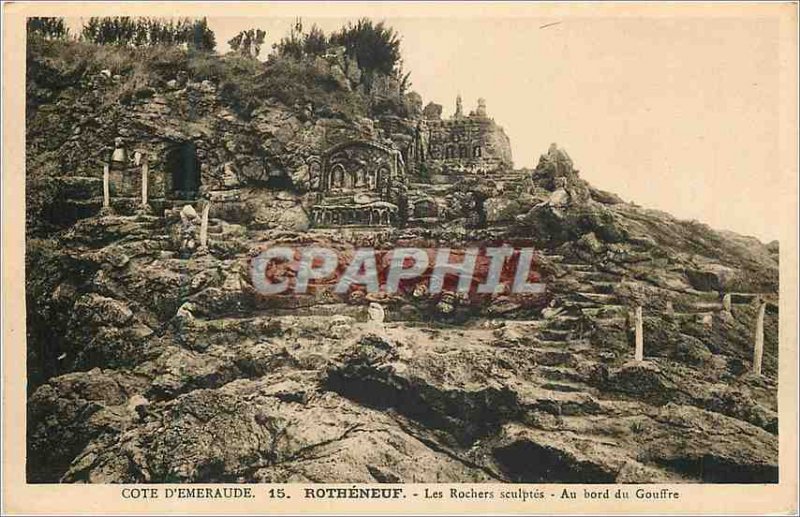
(146, 366)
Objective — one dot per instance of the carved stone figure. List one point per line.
(481, 111)
(189, 222)
(119, 155)
(376, 313)
(447, 303)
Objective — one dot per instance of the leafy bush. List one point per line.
(298, 44)
(375, 47)
(315, 43)
(54, 66)
(203, 66)
(123, 47)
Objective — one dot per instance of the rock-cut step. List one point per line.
(552, 257)
(571, 345)
(599, 298)
(703, 306)
(605, 312)
(554, 334)
(577, 267)
(596, 276)
(563, 398)
(692, 316)
(564, 322)
(602, 287)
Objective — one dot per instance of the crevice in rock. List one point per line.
(713, 469)
(529, 462)
(436, 447)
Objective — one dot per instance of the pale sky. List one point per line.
(679, 114)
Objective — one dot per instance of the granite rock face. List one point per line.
(153, 368)
(149, 365)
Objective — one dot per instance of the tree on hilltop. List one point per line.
(47, 27)
(376, 47)
(299, 44)
(248, 42)
(140, 32)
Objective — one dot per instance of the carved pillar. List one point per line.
(639, 352)
(204, 225)
(106, 187)
(145, 173)
(758, 349)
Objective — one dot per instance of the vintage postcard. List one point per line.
(399, 258)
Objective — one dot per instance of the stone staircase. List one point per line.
(596, 296)
(596, 302)
(220, 231)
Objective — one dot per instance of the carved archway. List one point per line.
(337, 175)
(359, 164)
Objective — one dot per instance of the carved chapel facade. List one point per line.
(364, 183)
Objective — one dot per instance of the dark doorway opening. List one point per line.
(280, 182)
(184, 170)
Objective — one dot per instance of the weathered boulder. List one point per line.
(504, 209)
(710, 277)
(712, 447)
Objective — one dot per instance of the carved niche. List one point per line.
(358, 165)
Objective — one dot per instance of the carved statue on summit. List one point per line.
(559, 158)
(459, 108)
(481, 110)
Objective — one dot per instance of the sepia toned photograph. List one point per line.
(320, 248)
